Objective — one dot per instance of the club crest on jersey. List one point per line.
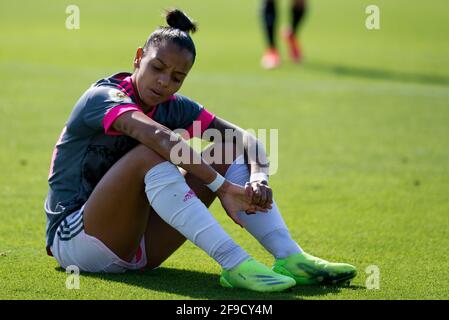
(119, 96)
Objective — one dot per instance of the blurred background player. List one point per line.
(271, 58)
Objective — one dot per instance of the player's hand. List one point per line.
(235, 198)
(262, 194)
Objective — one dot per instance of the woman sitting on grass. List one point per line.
(116, 201)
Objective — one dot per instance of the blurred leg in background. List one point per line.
(298, 10)
(271, 58)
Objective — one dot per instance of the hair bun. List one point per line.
(179, 20)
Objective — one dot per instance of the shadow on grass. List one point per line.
(201, 285)
(380, 74)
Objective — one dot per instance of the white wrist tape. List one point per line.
(217, 183)
(258, 176)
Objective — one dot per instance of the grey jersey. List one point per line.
(88, 146)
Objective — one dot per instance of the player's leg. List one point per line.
(271, 57)
(113, 219)
(269, 22)
(117, 211)
(162, 239)
(298, 10)
(271, 231)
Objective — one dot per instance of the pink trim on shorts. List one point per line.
(138, 256)
(113, 114)
(205, 117)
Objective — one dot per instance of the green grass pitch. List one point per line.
(363, 138)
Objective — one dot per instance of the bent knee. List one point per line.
(145, 157)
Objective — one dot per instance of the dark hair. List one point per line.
(180, 25)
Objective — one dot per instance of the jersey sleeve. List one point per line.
(104, 106)
(184, 113)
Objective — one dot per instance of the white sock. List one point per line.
(174, 201)
(268, 228)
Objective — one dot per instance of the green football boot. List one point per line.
(309, 270)
(253, 275)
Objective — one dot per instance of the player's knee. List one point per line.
(146, 158)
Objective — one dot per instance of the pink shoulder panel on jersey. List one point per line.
(113, 114)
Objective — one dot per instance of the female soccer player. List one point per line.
(116, 201)
(271, 58)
